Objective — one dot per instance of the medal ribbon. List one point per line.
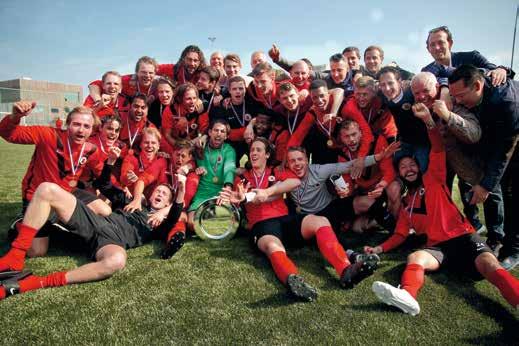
(75, 168)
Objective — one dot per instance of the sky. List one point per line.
(77, 41)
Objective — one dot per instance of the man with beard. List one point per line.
(451, 239)
(216, 167)
(134, 122)
(186, 69)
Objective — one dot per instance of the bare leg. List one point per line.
(99, 207)
(39, 247)
(269, 244)
(109, 260)
(393, 198)
(311, 223)
(49, 196)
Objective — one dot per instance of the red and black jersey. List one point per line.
(266, 210)
(138, 163)
(377, 115)
(177, 73)
(372, 175)
(184, 125)
(315, 122)
(130, 86)
(430, 209)
(261, 101)
(120, 107)
(50, 161)
(131, 131)
(161, 171)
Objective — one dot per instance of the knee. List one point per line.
(115, 262)
(416, 258)
(46, 190)
(486, 263)
(359, 206)
(393, 191)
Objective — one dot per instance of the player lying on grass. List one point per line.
(108, 237)
(451, 240)
(272, 227)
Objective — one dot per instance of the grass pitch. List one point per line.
(225, 293)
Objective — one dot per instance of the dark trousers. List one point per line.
(510, 187)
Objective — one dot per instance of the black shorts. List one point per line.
(460, 253)
(339, 210)
(81, 195)
(286, 228)
(94, 229)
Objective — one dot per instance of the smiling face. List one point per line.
(145, 74)
(439, 46)
(149, 144)
(262, 125)
(466, 96)
(364, 96)
(408, 169)
(204, 82)
(338, 70)
(257, 58)
(216, 60)
(165, 93)
(232, 68)
(80, 127)
(289, 99)
(161, 197)
(112, 84)
(109, 132)
(258, 155)
(192, 61)
(320, 98)
(389, 85)
(373, 60)
(297, 163)
(138, 110)
(264, 82)
(299, 73)
(352, 59)
(424, 91)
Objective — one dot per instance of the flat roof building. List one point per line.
(53, 99)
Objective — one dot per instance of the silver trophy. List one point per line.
(216, 222)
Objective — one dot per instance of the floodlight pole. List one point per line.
(513, 43)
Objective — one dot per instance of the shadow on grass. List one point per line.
(277, 300)
(464, 287)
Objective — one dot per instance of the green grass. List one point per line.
(224, 293)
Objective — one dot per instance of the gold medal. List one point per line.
(329, 143)
(72, 183)
(215, 180)
(298, 210)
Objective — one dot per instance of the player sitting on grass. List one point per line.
(429, 209)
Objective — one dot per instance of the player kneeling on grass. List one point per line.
(272, 227)
(429, 209)
(108, 237)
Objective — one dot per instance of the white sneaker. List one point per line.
(396, 297)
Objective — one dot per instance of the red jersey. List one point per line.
(316, 118)
(130, 86)
(120, 106)
(177, 73)
(372, 175)
(184, 125)
(430, 210)
(50, 161)
(378, 117)
(88, 175)
(271, 101)
(160, 172)
(131, 131)
(279, 138)
(266, 210)
(138, 164)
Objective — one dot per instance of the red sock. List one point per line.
(507, 284)
(282, 265)
(33, 282)
(14, 259)
(180, 226)
(331, 249)
(413, 278)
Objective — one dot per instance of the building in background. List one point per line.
(54, 100)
